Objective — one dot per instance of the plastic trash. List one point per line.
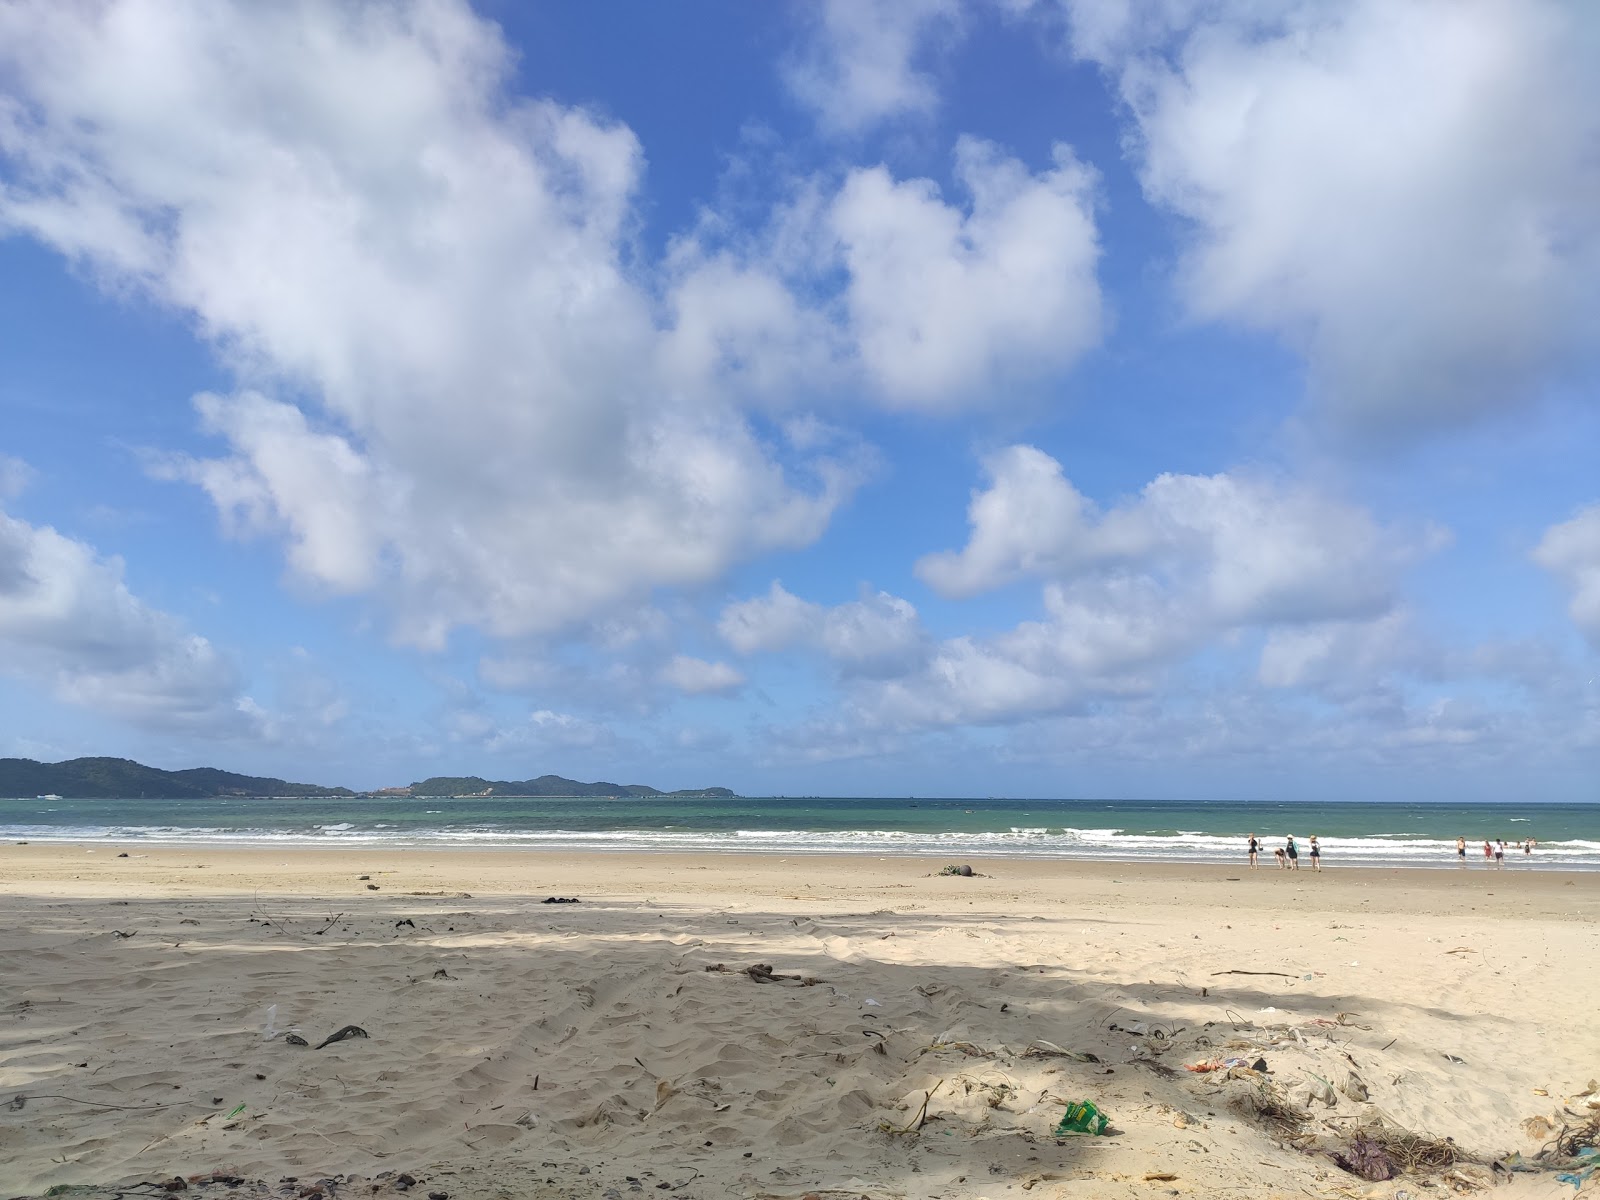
(269, 1027)
(1082, 1117)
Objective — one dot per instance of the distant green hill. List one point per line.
(122, 778)
(549, 785)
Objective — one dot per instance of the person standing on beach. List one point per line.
(1255, 848)
(1488, 852)
(1461, 851)
(1293, 853)
(1500, 854)
(1316, 854)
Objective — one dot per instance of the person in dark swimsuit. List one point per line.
(1461, 851)
(1316, 854)
(1293, 853)
(1255, 848)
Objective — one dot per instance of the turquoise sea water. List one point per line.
(1568, 835)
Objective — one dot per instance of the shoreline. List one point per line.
(512, 871)
(141, 847)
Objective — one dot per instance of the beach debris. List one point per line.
(762, 973)
(1039, 1048)
(1267, 1103)
(559, 900)
(1460, 1062)
(122, 933)
(962, 870)
(363, 878)
(1366, 1158)
(1216, 1064)
(405, 921)
(918, 1121)
(294, 1039)
(124, 854)
(16, 1102)
(269, 1027)
(372, 887)
(1354, 1088)
(176, 1184)
(339, 1035)
(1321, 1090)
(1082, 1117)
(1280, 974)
(441, 973)
(1159, 1177)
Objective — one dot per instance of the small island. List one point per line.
(124, 779)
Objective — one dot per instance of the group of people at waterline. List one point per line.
(1494, 852)
(1288, 854)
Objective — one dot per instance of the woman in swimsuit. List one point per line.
(1293, 853)
(1316, 854)
(1255, 846)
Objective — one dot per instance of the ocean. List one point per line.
(1355, 834)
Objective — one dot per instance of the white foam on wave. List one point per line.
(1107, 844)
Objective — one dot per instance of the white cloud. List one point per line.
(876, 635)
(884, 288)
(1571, 552)
(771, 622)
(860, 65)
(1236, 550)
(1404, 190)
(15, 475)
(451, 395)
(69, 623)
(541, 731)
(945, 302)
(697, 677)
(1030, 521)
(1129, 593)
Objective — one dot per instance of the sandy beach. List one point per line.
(619, 1046)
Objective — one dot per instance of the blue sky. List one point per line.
(999, 397)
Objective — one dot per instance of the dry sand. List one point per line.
(520, 1049)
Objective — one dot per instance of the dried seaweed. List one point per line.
(1410, 1151)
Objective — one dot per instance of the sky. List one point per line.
(1083, 398)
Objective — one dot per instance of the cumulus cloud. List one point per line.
(1236, 549)
(69, 623)
(1128, 592)
(913, 298)
(1405, 191)
(697, 677)
(859, 66)
(875, 635)
(426, 283)
(943, 300)
(1571, 552)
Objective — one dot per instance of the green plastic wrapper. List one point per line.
(1082, 1117)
